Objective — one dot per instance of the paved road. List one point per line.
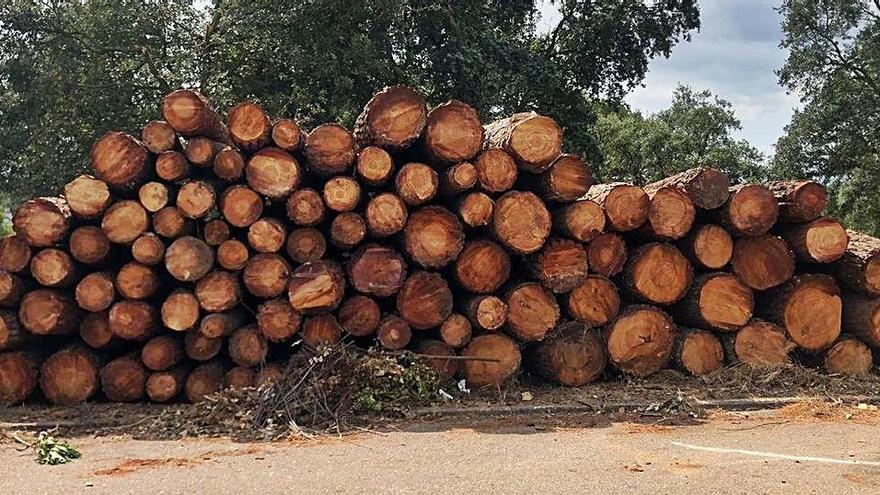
(758, 455)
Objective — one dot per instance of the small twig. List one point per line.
(450, 358)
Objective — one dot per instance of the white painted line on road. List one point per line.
(773, 455)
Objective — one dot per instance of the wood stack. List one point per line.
(201, 250)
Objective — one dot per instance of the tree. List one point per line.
(72, 69)
(696, 130)
(834, 64)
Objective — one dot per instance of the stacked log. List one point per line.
(195, 255)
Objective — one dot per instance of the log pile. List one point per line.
(200, 251)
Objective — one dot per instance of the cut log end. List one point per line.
(762, 262)
(532, 312)
(699, 352)
(316, 287)
(594, 302)
(640, 340)
(120, 160)
(249, 127)
(658, 273)
(19, 372)
(849, 357)
(708, 247)
(386, 214)
(394, 118)
(521, 222)
(568, 179)
(496, 171)
(305, 207)
(266, 275)
(394, 332)
(453, 132)
(305, 245)
(561, 265)
(124, 379)
(670, 215)
(581, 220)
(416, 183)
(69, 376)
(499, 359)
(762, 344)
(42, 222)
(819, 241)
(433, 237)
(321, 331)
(573, 356)
(534, 140)
(377, 270)
(374, 166)
(330, 149)
(273, 172)
(751, 210)
(476, 209)
(487, 312)
(456, 331)
(799, 201)
(482, 266)
(424, 300)
(287, 135)
(87, 196)
(359, 316)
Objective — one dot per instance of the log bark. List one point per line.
(698, 352)
(568, 179)
(15, 254)
(521, 222)
(12, 334)
(818, 241)
(19, 373)
(707, 188)
(393, 119)
(321, 331)
(446, 368)
(861, 318)
(859, 268)
(12, 289)
(148, 249)
(376, 270)
(216, 325)
(458, 178)
(330, 149)
(158, 136)
(561, 265)
(533, 140)
(475, 209)
(762, 262)
(359, 316)
(249, 126)
(162, 353)
(137, 281)
(134, 320)
(153, 196)
(172, 166)
(124, 379)
(499, 360)
(374, 166)
(424, 300)
(347, 230)
(751, 210)
(216, 232)
(607, 254)
(70, 376)
(482, 267)
(87, 197)
(305, 245)
(386, 214)
(809, 308)
(94, 330)
(96, 291)
(277, 321)
(287, 135)
(188, 259)
(190, 114)
(125, 221)
(196, 199)
(760, 344)
(488, 313)
(394, 332)
(232, 255)
(707, 247)
(316, 287)
(121, 161)
(456, 331)
(42, 222)
(267, 235)
(799, 201)
(305, 207)
(201, 348)
(229, 164)
(640, 340)
(266, 275)
(496, 171)
(248, 347)
(433, 237)
(180, 311)
(203, 381)
(171, 224)
(218, 291)
(626, 206)
(273, 172)
(594, 302)
(49, 312)
(657, 273)
(849, 356)
(582, 220)
(670, 215)
(453, 133)
(163, 386)
(416, 183)
(532, 312)
(716, 301)
(241, 206)
(573, 356)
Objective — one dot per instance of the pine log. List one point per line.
(453, 133)
(215, 232)
(188, 259)
(385, 215)
(305, 245)
(153, 196)
(247, 346)
(216, 325)
(125, 221)
(239, 377)
(394, 332)
(799, 201)
(697, 352)
(594, 302)
(458, 178)
(342, 194)
(347, 230)
(180, 311)
(859, 268)
(424, 300)
(124, 379)
(267, 235)
(87, 197)
(42, 222)
(70, 376)
(482, 266)
(321, 331)
(229, 164)
(582, 220)
(121, 161)
(158, 136)
(456, 331)
(568, 179)
(707, 188)
(607, 254)
(762, 262)
(201, 348)
(201, 151)
(162, 353)
(305, 207)
(287, 135)
(561, 265)
(716, 301)
(148, 249)
(376, 270)
(521, 222)
(49, 312)
(330, 149)
(266, 275)
(241, 206)
(172, 166)
(269, 374)
(273, 172)
(486, 312)
(433, 237)
(89, 245)
(170, 223)
(190, 114)
(572, 356)
(416, 183)
(640, 340)
(232, 255)
(19, 372)
(759, 344)
(808, 307)
(446, 368)
(849, 356)
(12, 289)
(137, 281)
(94, 330)
(499, 359)
(196, 199)
(96, 291)
(476, 209)
(393, 119)
(359, 316)
(249, 126)
(861, 317)
(822, 240)
(218, 291)
(277, 321)
(12, 335)
(532, 312)
(374, 166)
(204, 380)
(163, 386)
(496, 171)
(316, 287)
(134, 320)
(657, 273)
(751, 210)
(626, 206)
(707, 247)
(533, 140)
(670, 215)
(15, 254)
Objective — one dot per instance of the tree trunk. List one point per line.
(347, 230)
(594, 302)
(232, 255)
(707, 247)
(158, 136)
(453, 133)
(640, 340)
(359, 316)
(316, 287)
(287, 135)
(266, 276)
(15, 254)
(148, 249)
(707, 188)
(499, 359)
(94, 330)
(162, 353)
(53, 268)
(249, 126)
(657, 273)
(385, 215)
(89, 245)
(533, 140)
(70, 376)
(321, 331)
(393, 119)
(137, 281)
(374, 166)
(496, 171)
(216, 232)
(12, 289)
(424, 300)
(697, 351)
(475, 209)
(849, 356)
(153, 196)
(859, 268)
(376, 270)
(277, 321)
(190, 114)
(751, 210)
(808, 307)
(216, 325)
(626, 206)
(125, 221)
(582, 220)
(134, 320)
(239, 378)
(188, 259)
(180, 311)
(12, 335)
(799, 201)
(96, 291)
(760, 344)
(218, 291)
(87, 197)
(861, 317)
(607, 254)
(247, 346)
(573, 356)
(330, 149)
(19, 372)
(716, 301)
(171, 224)
(305, 207)
(229, 164)
(819, 241)
(201, 348)
(521, 222)
(416, 183)
(204, 380)
(670, 215)
(342, 194)
(482, 266)
(568, 179)
(196, 199)
(267, 235)
(446, 368)
(458, 178)
(241, 206)
(121, 161)
(488, 313)
(163, 386)
(433, 237)
(393, 333)
(532, 312)
(762, 262)
(274, 173)
(305, 245)
(124, 379)
(172, 166)
(561, 265)
(49, 312)
(42, 222)
(456, 331)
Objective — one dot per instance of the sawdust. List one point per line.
(130, 466)
(645, 429)
(814, 410)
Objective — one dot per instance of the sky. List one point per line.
(735, 55)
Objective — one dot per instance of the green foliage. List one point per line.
(385, 384)
(52, 451)
(834, 63)
(72, 69)
(696, 130)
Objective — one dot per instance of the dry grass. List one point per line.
(815, 410)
